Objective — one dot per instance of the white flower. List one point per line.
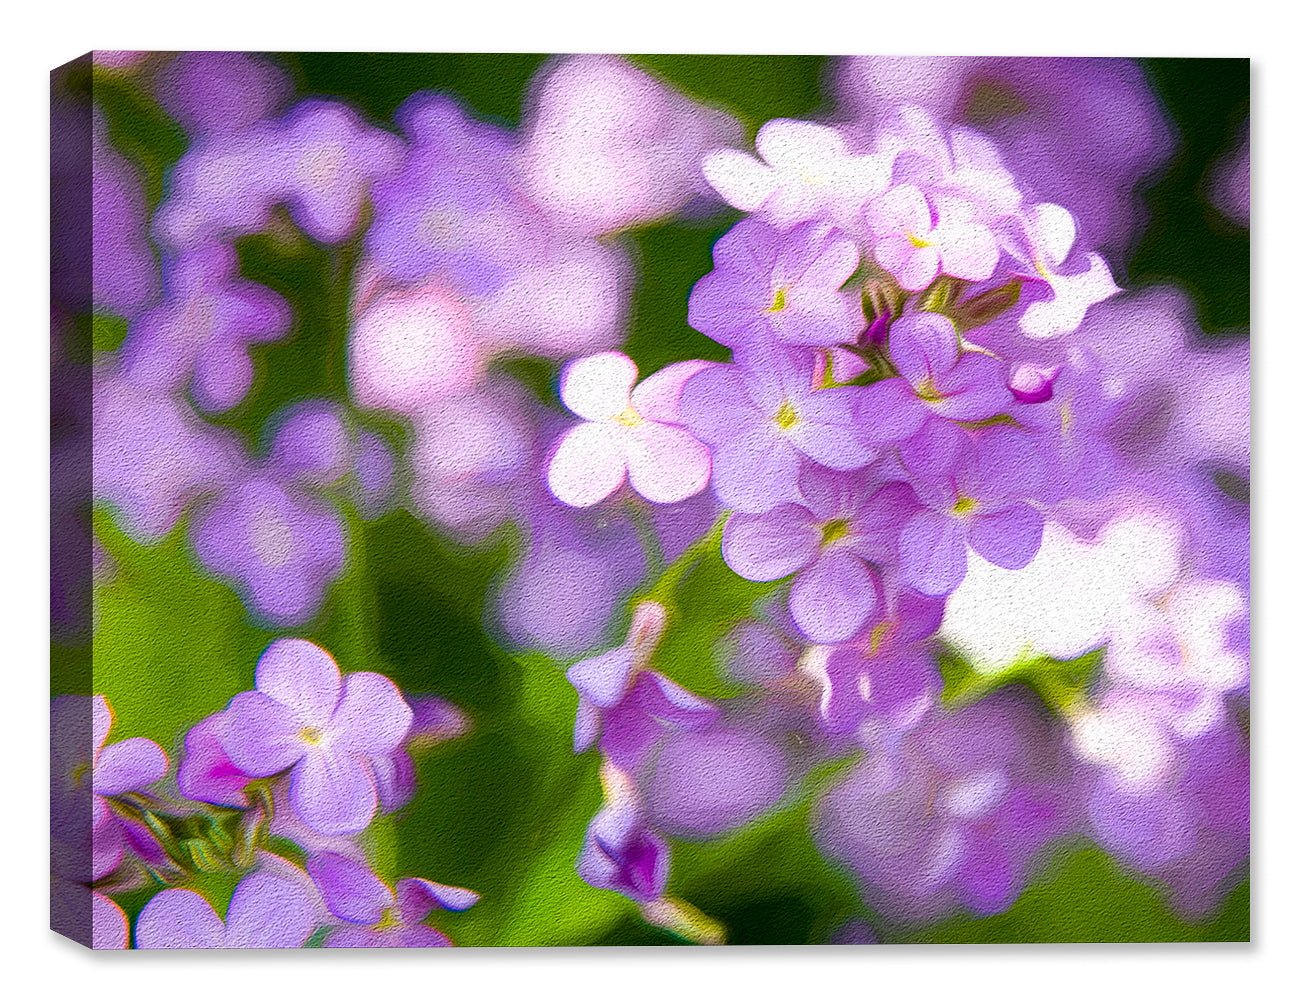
(627, 434)
(804, 171)
(1049, 233)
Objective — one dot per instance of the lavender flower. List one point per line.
(198, 337)
(377, 916)
(275, 907)
(759, 420)
(83, 771)
(938, 380)
(306, 719)
(830, 541)
(766, 284)
(955, 816)
(629, 434)
(974, 490)
(620, 851)
(278, 545)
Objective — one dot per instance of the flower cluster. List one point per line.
(308, 759)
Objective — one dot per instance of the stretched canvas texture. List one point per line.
(520, 500)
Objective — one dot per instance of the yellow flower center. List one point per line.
(834, 530)
(928, 391)
(917, 242)
(964, 506)
(778, 301)
(786, 417)
(630, 418)
(310, 734)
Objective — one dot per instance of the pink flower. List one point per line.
(628, 434)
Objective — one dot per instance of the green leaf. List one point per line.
(1061, 684)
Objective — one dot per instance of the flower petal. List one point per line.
(603, 680)
(756, 471)
(742, 181)
(128, 765)
(923, 346)
(658, 396)
(269, 910)
(350, 889)
(418, 897)
(372, 717)
(260, 735)
(302, 677)
(771, 545)
(973, 390)
(833, 598)
(179, 918)
(1052, 230)
(666, 464)
(932, 550)
(1008, 538)
(784, 142)
(333, 793)
(589, 465)
(598, 387)
(890, 411)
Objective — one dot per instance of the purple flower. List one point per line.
(755, 653)
(450, 213)
(708, 781)
(606, 146)
(330, 157)
(411, 348)
(579, 567)
(1172, 808)
(83, 771)
(620, 851)
(278, 545)
(885, 676)
(125, 270)
(766, 283)
(154, 457)
(803, 171)
(199, 336)
(954, 816)
(215, 93)
(938, 380)
(830, 540)
(759, 421)
(377, 916)
(616, 686)
(312, 444)
(304, 718)
(1053, 120)
(472, 455)
(206, 773)
(320, 159)
(275, 907)
(917, 240)
(974, 489)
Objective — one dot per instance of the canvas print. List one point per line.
(653, 500)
